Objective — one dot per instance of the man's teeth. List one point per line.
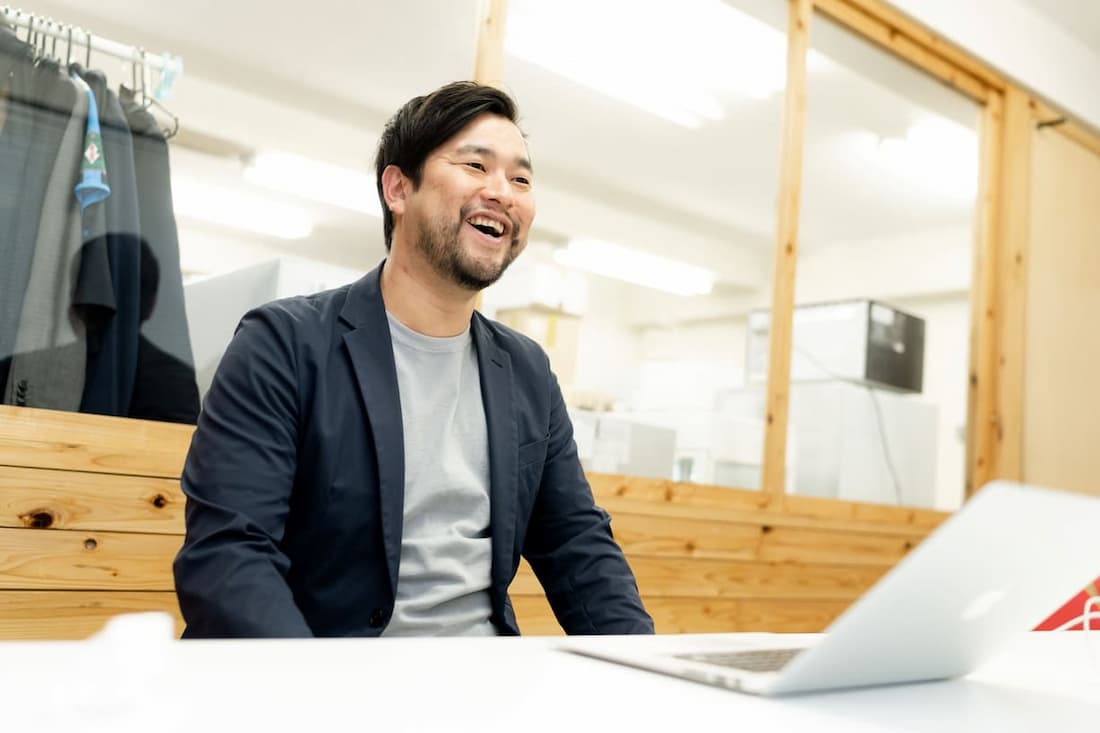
(481, 221)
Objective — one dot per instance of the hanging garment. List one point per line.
(48, 367)
(17, 68)
(165, 387)
(113, 337)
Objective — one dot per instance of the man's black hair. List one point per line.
(426, 122)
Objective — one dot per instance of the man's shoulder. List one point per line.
(302, 313)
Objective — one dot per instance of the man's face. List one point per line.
(472, 213)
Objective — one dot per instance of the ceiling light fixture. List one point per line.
(937, 153)
(678, 61)
(238, 210)
(639, 268)
(311, 179)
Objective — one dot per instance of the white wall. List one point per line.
(946, 365)
(1022, 44)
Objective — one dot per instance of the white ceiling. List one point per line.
(1079, 18)
(603, 167)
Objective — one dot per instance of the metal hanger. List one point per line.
(150, 100)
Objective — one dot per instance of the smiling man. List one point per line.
(375, 459)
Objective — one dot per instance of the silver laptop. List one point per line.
(1003, 563)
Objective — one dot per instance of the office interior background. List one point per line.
(657, 134)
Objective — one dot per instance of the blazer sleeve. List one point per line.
(570, 547)
(231, 572)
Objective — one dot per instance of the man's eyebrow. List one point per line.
(473, 149)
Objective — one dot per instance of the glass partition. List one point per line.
(655, 131)
(878, 394)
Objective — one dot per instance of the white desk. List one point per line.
(1044, 682)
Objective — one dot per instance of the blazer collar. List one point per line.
(371, 351)
(495, 372)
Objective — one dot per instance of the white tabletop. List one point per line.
(1046, 682)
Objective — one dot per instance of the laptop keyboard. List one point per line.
(757, 660)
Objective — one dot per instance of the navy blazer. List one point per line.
(295, 481)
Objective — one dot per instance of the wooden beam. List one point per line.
(909, 40)
(984, 315)
(774, 469)
(71, 441)
(1014, 232)
(43, 499)
(489, 52)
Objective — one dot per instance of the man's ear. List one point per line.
(395, 187)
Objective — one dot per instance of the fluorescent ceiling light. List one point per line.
(237, 210)
(623, 263)
(675, 60)
(936, 153)
(311, 179)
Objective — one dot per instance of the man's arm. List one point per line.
(569, 544)
(231, 573)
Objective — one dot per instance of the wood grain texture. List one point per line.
(40, 498)
(34, 438)
(489, 52)
(705, 578)
(1014, 228)
(619, 493)
(985, 317)
(661, 536)
(781, 324)
(50, 614)
(47, 559)
(691, 615)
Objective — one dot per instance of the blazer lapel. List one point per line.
(371, 352)
(495, 367)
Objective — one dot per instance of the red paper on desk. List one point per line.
(1073, 609)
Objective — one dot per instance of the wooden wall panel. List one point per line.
(651, 534)
(626, 493)
(52, 614)
(1063, 297)
(698, 615)
(72, 560)
(75, 442)
(41, 499)
(660, 577)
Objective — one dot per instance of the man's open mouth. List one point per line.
(487, 226)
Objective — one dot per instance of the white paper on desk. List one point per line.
(118, 681)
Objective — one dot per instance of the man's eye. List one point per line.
(522, 181)
(477, 166)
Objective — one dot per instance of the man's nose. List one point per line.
(499, 189)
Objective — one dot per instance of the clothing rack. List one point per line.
(169, 66)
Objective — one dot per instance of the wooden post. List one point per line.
(489, 54)
(492, 21)
(786, 249)
(984, 316)
(1014, 231)
(878, 23)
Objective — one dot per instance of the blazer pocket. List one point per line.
(532, 453)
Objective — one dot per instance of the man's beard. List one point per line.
(440, 245)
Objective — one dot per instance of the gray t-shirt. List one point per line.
(444, 575)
